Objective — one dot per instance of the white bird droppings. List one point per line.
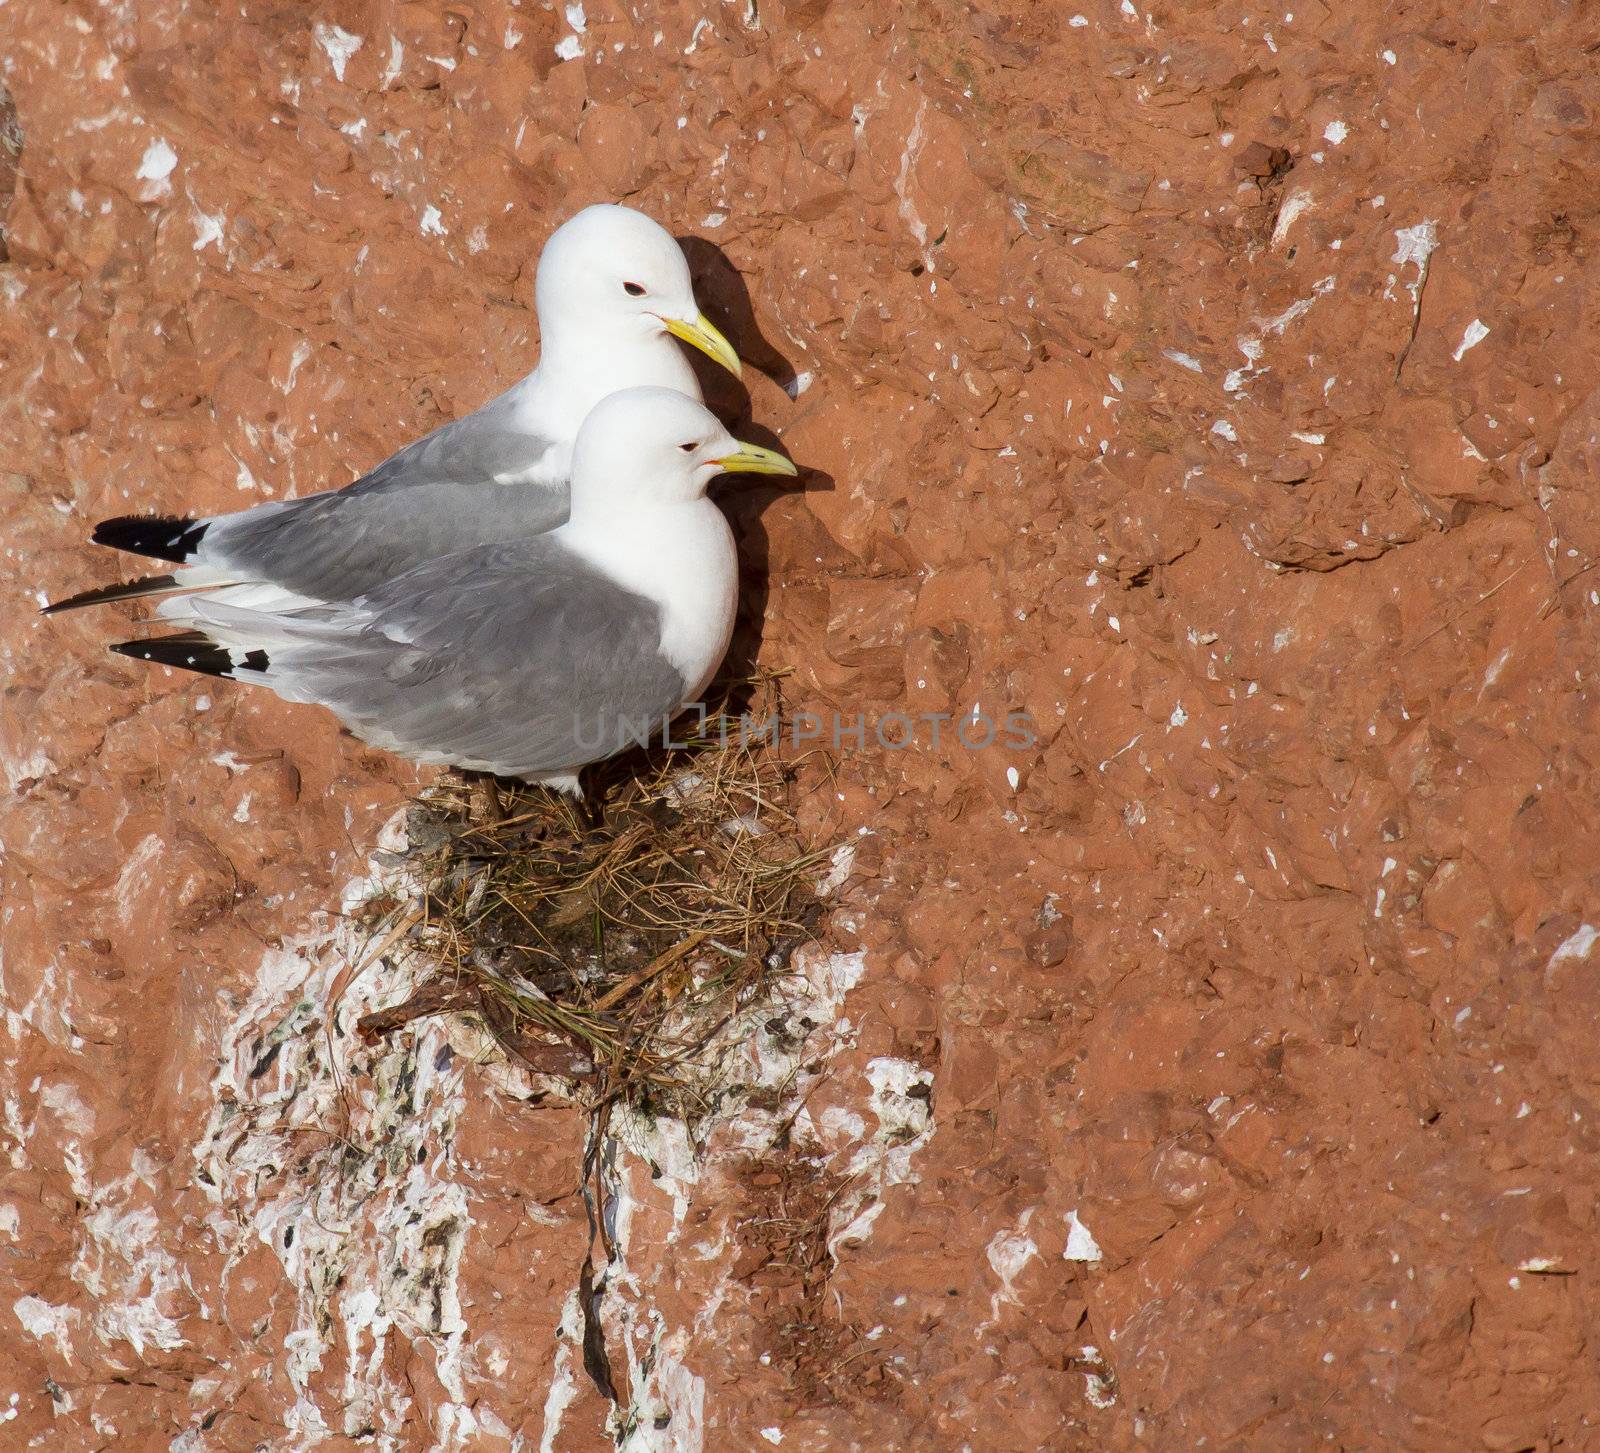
(1475, 334)
(157, 163)
(572, 47)
(339, 45)
(1294, 205)
(1577, 945)
(207, 230)
(1081, 1246)
(1413, 244)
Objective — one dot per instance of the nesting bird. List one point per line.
(530, 658)
(613, 291)
(522, 592)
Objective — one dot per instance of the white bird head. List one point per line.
(611, 269)
(657, 446)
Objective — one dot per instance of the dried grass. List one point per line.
(609, 954)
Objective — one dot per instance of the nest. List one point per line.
(610, 950)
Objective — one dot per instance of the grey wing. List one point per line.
(518, 659)
(471, 482)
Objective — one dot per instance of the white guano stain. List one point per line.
(208, 230)
(671, 1399)
(1251, 344)
(370, 1236)
(1416, 246)
(131, 1278)
(297, 360)
(840, 866)
(153, 176)
(395, 63)
(563, 1390)
(902, 185)
(47, 1321)
(338, 44)
(656, 1156)
(33, 767)
(157, 162)
(1575, 948)
(1476, 332)
(1081, 1246)
(1008, 1253)
(1294, 206)
(570, 47)
(900, 1100)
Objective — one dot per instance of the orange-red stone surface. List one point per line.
(1214, 383)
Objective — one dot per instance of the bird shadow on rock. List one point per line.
(723, 294)
(747, 499)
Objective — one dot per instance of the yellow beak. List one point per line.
(708, 340)
(753, 459)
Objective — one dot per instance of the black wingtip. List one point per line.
(192, 652)
(128, 590)
(163, 537)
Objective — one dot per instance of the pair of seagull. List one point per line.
(523, 591)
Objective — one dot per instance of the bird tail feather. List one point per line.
(195, 651)
(126, 590)
(195, 578)
(165, 537)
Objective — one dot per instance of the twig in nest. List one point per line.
(435, 998)
(573, 936)
(656, 965)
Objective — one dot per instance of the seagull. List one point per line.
(534, 656)
(613, 290)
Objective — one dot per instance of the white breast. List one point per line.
(681, 556)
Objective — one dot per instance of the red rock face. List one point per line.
(1214, 387)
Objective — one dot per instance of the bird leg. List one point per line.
(591, 806)
(484, 806)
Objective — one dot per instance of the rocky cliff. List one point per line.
(1211, 383)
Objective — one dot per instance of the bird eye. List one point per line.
(633, 290)
(687, 448)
